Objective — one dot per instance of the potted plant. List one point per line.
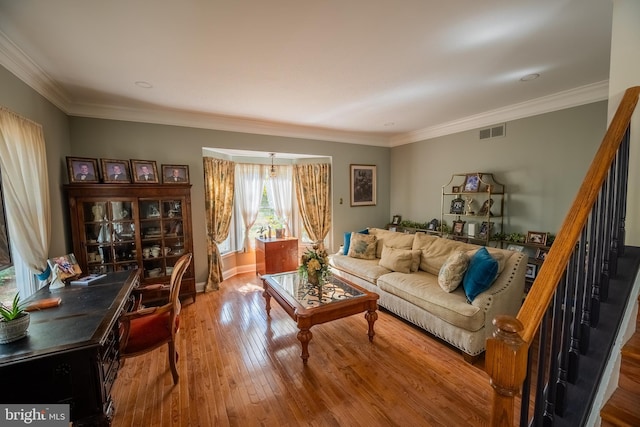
(14, 321)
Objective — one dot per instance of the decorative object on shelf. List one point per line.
(14, 321)
(363, 185)
(115, 171)
(433, 225)
(472, 183)
(314, 265)
(455, 189)
(485, 229)
(82, 170)
(537, 237)
(516, 248)
(486, 208)
(469, 206)
(396, 220)
(531, 271)
(175, 174)
(541, 254)
(458, 227)
(457, 206)
(144, 171)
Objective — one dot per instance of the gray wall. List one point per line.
(21, 99)
(541, 161)
(181, 145)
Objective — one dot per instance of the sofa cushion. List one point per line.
(453, 270)
(482, 271)
(347, 240)
(422, 290)
(437, 251)
(401, 260)
(393, 239)
(362, 246)
(367, 269)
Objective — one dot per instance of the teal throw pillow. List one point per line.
(481, 273)
(347, 240)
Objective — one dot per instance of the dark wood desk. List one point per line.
(70, 354)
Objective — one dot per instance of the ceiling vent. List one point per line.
(493, 132)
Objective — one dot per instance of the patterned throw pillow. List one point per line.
(362, 246)
(452, 271)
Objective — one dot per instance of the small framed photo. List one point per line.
(116, 171)
(458, 227)
(541, 254)
(175, 174)
(472, 183)
(363, 185)
(396, 220)
(393, 229)
(515, 248)
(455, 189)
(433, 225)
(531, 271)
(82, 169)
(485, 229)
(537, 237)
(66, 266)
(486, 208)
(144, 171)
(457, 206)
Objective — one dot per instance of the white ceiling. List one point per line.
(379, 72)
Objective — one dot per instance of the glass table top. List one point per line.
(308, 295)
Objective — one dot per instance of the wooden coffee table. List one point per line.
(305, 305)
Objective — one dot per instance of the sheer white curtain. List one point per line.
(249, 183)
(280, 190)
(26, 191)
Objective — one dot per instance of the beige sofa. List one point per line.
(414, 292)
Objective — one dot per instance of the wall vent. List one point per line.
(493, 132)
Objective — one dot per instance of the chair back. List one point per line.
(179, 268)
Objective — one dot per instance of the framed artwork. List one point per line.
(144, 171)
(396, 220)
(455, 189)
(472, 183)
(486, 208)
(82, 169)
(530, 273)
(66, 266)
(458, 227)
(363, 185)
(116, 171)
(485, 229)
(433, 225)
(537, 237)
(175, 174)
(541, 254)
(457, 206)
(516, 248)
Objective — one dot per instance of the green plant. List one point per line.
(13, 312)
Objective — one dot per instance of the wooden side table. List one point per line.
(276, 255)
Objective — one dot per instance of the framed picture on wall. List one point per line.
(175, 174)
(363, 185)
(115, 171)
(82, 169)
(144, 171)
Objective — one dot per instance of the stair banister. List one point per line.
(507, 351)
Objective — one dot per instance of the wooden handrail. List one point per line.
(500, 353)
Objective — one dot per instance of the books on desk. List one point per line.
(88, 279)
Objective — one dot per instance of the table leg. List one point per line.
(267, 300)
(305, 335)
(371, 315)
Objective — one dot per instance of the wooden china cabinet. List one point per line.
(119, 227)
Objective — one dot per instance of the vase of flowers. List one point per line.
(314, 265)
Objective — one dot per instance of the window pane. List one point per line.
(8, 286)
(266, 217)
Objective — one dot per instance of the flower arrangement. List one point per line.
(314, 265)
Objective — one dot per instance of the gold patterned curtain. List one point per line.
(313, 191)
(219, 184)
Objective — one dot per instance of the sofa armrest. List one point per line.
(506, 293)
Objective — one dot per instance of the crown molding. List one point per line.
(558, 101)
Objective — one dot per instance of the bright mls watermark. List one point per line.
(36, 415)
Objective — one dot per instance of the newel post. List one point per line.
(506, 364)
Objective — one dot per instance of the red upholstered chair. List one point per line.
(146, 329)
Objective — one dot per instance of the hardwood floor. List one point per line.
(239, 368)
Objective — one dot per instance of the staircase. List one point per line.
(623, 408)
